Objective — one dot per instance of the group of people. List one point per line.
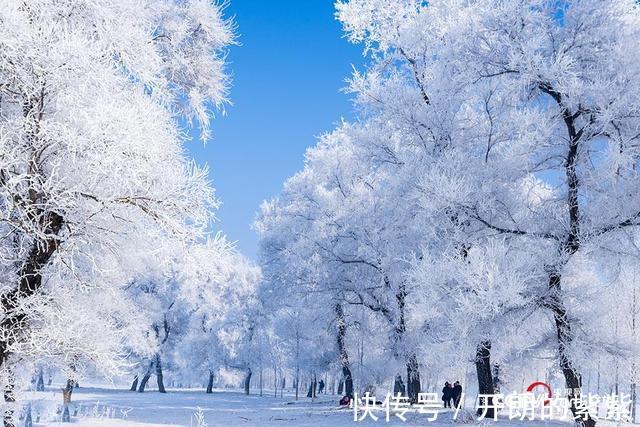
(451, 394)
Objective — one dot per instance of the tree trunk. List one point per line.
(29, 277)
(569, 247)
(573, 380)
(247, 381)
(398, 386)
(297, 366)
(634, 370)
(413, 372)
(134, 384)
(342, 351)
(159, 374)
(348, 382)
(28, 419)
(66, 400)
(210, 383)
(40, 380)
(341, 385)
(29, 284)
(634, 398)
(496, 378)
(30, 280)
(312, 387)
(485, 377)
(413, 379)
(284, 383)
(275, 381)
(145, 378)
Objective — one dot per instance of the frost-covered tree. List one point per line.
(91, 153)
(343, 230)
(493, 168)
(219, 293)
(530, 112)
(155, 288)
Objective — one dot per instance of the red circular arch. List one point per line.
(541, 384)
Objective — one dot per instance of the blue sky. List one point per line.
(287, 75)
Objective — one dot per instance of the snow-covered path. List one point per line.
(179, 408)
(224, 408)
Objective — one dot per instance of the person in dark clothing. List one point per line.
(457, 393)
(320, 387)
(447, 394)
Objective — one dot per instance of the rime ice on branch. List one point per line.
(484, 204)
(92, 165)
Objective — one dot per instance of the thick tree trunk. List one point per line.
(413, 372)
(134, 384)
(159, 374)
(30, 278)
(348, 382)
(145, 378)
(210, 383)
(573, 380)
(413, 379)
(143, 382)
(66, 401)
(30, 281)
(342, 351)
(485, 378)
(247, 381)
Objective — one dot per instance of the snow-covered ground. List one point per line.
(93, 406)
